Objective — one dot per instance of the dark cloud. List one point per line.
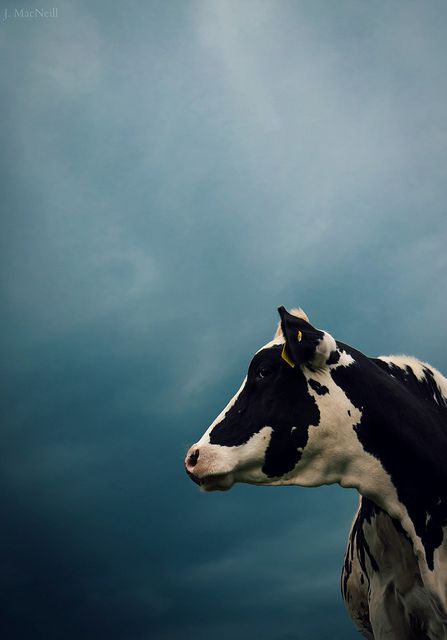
(172, 173)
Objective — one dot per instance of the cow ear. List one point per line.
(304, 344)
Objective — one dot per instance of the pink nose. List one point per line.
(191, 458)
(190, 462)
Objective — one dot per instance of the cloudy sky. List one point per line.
(171, 173)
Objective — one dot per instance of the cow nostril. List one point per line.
(192, 458)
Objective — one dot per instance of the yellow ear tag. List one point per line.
(299, 335)
(286, 358)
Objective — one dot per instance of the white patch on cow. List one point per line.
(324, 349)
(345, 360)
(250, 456)
(419, 368)
(223, 466)
(403, 362)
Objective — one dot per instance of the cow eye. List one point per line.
(263, 373)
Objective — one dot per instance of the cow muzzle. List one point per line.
(204, 467)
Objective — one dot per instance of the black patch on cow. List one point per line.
(358, 551)
(318, 387)
(367, 512)
(334, 357)
(275, 395)
(404, 425)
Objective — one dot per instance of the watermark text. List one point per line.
(36, 13)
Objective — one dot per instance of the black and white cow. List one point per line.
(314, 411)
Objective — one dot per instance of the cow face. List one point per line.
(262, 434)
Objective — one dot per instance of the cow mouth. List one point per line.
(213, 482)
(219, 482)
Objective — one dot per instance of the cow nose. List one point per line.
(192, 458)
(190, 462)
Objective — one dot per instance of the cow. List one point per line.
(312, 411)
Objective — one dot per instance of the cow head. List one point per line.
(276, 428)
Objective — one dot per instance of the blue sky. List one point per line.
(171, 173)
